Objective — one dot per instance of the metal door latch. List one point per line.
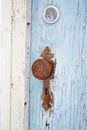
(44, 69)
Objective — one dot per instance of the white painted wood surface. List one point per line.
(14, 76)
(0, 64)
(5, 65)
(27, 62)
(18, 64)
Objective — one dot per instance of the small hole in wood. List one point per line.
(25, 103)
(47, 124)
(28, 23)
(11, 84)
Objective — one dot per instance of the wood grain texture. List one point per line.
(5, 62)
(68, 38)
(27, 63)
(0, 65)
(14, 68)
(18, 21)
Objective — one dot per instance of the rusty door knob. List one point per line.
(41, 69)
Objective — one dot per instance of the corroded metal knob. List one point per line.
(44, 69)
(41, 69)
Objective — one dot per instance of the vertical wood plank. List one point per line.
(68, 38)
(27, 64)
(5, 64)
(0, 64)
(18, 64)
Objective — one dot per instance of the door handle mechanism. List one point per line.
(43, 69)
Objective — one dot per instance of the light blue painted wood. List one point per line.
(68, 38)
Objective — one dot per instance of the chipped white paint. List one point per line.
(0, 64)
(5, 65)
(15, 71)
(18, 63)
(27, 59)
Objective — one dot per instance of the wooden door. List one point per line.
(68, 39)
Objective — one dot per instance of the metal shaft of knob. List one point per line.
(47, 97)
(42, 70)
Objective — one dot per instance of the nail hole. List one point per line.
(47, 124)
(28, 23)
(25, 103)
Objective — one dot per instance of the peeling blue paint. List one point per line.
(68, 38)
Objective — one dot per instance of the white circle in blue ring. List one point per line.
(51, 14)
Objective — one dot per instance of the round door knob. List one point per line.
(41, 69)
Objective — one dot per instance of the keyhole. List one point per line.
(46, 91)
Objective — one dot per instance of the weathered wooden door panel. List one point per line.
(68, 38)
